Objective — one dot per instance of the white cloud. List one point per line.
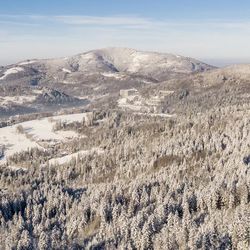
(124, 21)
(131, 21)
(95, 20)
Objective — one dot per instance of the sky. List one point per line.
(214, 31)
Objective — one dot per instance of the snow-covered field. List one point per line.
(14, 142)
(11, 71)
(42, 130)
(34, 132)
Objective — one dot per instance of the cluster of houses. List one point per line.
(131, 99)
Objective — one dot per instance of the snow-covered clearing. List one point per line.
(11, 71)
(70, 157)
(34, 132)
(14, 142)
(42, 130)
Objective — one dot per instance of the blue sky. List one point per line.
(215, 31)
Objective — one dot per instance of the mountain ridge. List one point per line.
(124, 60)
(95, 78)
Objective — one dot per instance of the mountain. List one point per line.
(199, 92)
(51, 96)
(94, 79)
(106, 62)
(235, 74)
(94, 76)
(156, 65)
(121, 149)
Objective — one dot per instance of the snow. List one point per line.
(88, 56)
(14, 142)
(42, 130)
(71, 118)
(138, 60)
(27, 62)
(113, 75)
(66, 70)
(123, 104)
(145, 81)
(97, 88)
(158, 115)
(35, 132)
(68, 82)
(148, 63)
(16, 168)
(122, 101)
(70, 157)
(133, 102)
(129, 103)
(6, 100)
(83, 97)
(11, 71)
(37, 91)
(138, 106)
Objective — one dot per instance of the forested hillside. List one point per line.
(155, 183)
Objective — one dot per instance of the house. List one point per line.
(164, 93)
(124, 93)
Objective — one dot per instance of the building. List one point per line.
(164, 93)
(124, 93)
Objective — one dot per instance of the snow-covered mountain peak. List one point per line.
(155, 65)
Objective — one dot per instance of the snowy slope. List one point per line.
(36, 131)
(109, 61)
(234, 74)
(11, 71)
(130, 60)
(138, 62)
